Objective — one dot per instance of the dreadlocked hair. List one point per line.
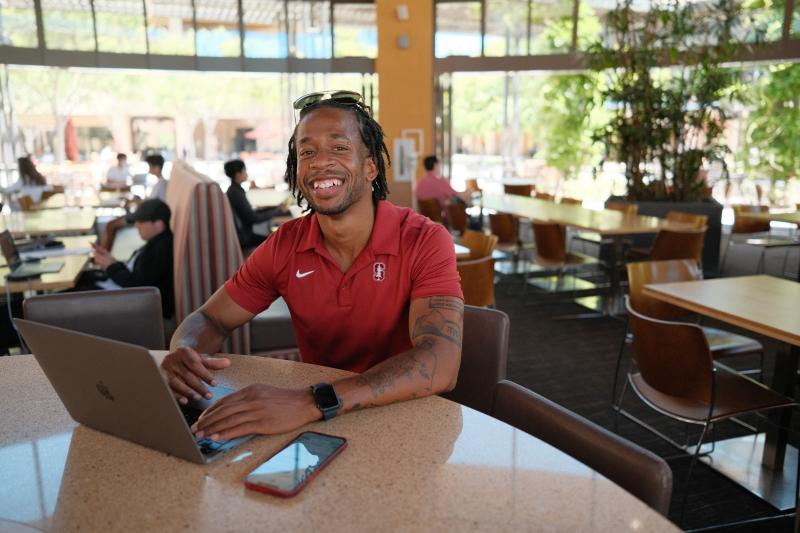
(372, 137)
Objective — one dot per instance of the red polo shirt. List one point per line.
(355, 319)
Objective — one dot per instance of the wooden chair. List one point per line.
(721, 343)
(128, 315)
(597, 239)
(472, 186)
(477, 281)
(506, 227)
(672, 244)
(457, 217)
(544, 196)
(26, 203)
(696, 221)
(484, 358)
(635, 469)
(571, 201)
(519, 190)
(744, 225)
(431, 209)
(622, 207)
(551, 252)
(480, 244)
(755, 233)
(677, 377)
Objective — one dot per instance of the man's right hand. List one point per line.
(188, 371)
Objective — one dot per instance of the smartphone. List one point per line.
(287, 472)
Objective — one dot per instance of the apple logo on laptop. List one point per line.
(103, 390)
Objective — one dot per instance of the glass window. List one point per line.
(68, 24)
(120, 26)
(355, 30)
(264, 28)
(551, 26)
(310, 29)
(458, 29)
(218, 28)
(506, 28)
(794, 29)
(762, 21)
(18, 23)
(169, 27)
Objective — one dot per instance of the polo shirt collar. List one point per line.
(385, 238)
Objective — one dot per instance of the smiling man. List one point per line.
(372, 287)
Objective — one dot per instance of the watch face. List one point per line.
(326, 397)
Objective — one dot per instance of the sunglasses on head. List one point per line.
(340, 97)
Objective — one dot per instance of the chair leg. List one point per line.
(761, 263)
(689, 474)
(785, 260)
(725, 255)
(618, 407)
(616, 368)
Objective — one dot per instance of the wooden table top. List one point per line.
(764, 304)
(604, 222)
(95, 199)
(421, 465)
(268, 197)
(791, 217)
(65, 278)
(48, 222)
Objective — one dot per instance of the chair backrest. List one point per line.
(207, 250)
(646, 272)
(431, 209)
(544, 196)
(745, 225)
(504, 225)
(477, 281)
(697, 221)
(472, 185)
(480, 244)
(551, 240)
(684, 244)
(457, 216)
(571, 201)
(622, 207)
(637, 470)
(672, 357)
(128, 315)
(519, 190)
(25, 203)
(484, 358)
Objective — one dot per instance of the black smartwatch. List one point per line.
(326, 399)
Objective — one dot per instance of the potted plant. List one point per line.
(666, 87)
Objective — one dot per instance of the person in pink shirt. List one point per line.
(432, 185)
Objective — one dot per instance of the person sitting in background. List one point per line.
(156, 163)
(433, 186)
(118, 175)
(150, 265)
(244, 215)
(31, 183)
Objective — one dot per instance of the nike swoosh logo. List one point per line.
(303, 274)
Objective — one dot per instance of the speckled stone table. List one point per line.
(423, 465)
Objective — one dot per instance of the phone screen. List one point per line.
(287, 471)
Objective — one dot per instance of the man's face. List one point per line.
(121, 161)
(148, 229)
(334, 170)
(242, 176)
(154, 170)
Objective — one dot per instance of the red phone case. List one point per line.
(283, 494)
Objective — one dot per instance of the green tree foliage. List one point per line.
(773, 125)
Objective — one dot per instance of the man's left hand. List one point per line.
(257, 409)
(103, 257)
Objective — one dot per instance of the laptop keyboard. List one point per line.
(207, 446)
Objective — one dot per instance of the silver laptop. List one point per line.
(117, 388)
(19, 269)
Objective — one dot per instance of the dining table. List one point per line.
(57, 222)
(769, 306)
(74, 254)
(427, 464)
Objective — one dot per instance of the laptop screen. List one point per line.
(9, 248)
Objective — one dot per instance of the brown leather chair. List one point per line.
(518, 190)
(431, 209)
(721, 343)
(477, 281)
(484, 357)
(635, 469)
(696, 221)
(551, 251)
(544, 196)
(128, 315)
(677, 377)
(480, 244)
(457, 217)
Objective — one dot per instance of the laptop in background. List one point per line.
(20, 269)
(117, 388)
